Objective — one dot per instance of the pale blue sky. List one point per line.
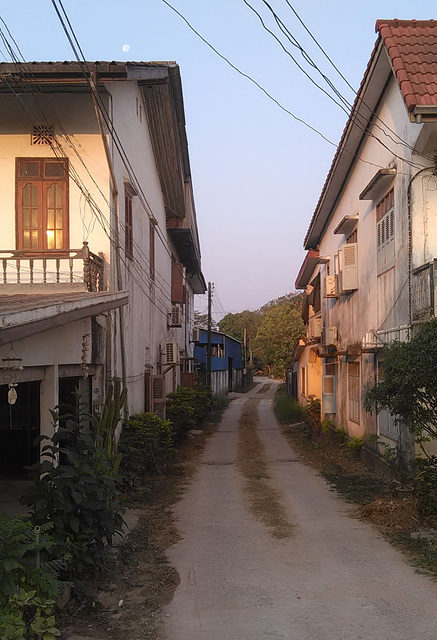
(257, 173)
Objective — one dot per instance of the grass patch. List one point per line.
(288, 410)
(360, 489)
(219, 405)
(422, 552)
(264, 499)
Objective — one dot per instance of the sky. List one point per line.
(257, 171)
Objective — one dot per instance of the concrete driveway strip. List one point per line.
(334, 579)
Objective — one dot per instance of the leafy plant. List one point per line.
(425, 485)
(187, 407)
(146, 444)
(355, 443)
(326, 425)
(409, 386)
(25, 559)
(29, 580)
(76, 487)
(341, 434)
(313, 413)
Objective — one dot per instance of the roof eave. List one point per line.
(375, 79)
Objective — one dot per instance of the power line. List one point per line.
(108, 120)
(281, 106)
(360, 100)
(56, 147)
(360, 119)
(94, 207)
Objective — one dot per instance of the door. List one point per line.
(19, 427)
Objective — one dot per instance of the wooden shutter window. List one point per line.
(158, 395)
(177, 283)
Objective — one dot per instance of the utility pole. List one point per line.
(208, 351)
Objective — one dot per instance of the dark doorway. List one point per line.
(230, 373)
(68, 388)
(19, 427)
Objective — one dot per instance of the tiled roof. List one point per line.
(412, 47)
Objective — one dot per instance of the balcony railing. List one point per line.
(24, 266)
(423, 295)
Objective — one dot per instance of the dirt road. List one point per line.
(333, 578)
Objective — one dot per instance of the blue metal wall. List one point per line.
(233, 349)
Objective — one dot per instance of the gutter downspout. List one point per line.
(117, 237)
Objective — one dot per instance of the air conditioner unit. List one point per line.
(176, 316)
(171, 354)
(196, 334)
(329, 336)
(315, 327)
(330, 288)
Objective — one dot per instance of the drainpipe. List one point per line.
(116, 234)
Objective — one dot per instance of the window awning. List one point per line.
(347, 225)
(379, 183)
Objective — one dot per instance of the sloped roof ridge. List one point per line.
(341, 144)
(412, 48)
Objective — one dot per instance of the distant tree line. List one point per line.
(270, 333)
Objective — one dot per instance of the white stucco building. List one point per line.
(372, 240)
(99, 248)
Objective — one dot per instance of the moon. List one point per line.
(126, 47)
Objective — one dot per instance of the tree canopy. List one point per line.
(271, 332)
(281, 328)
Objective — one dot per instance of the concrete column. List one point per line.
(49, 399)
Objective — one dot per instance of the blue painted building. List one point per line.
(227, 365)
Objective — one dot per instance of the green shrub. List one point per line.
(76, 488)
(355, 443)
(187, 407)
(313, 413)
(146, 444)
(425, 485)
(326, 425)
(288, 410)
(340, 432)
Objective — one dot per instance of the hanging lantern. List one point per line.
(12, 394)
(11, 364)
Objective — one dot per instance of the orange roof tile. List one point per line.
(412, 47)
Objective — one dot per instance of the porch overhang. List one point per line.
(24, 315)
(307, 269)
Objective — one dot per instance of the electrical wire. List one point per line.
(360, 120)
(86, 194)
(107, 119)
(259, 86)
(404, 142)
(96, 210)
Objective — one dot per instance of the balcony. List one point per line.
(423, 295)
(37, 269)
